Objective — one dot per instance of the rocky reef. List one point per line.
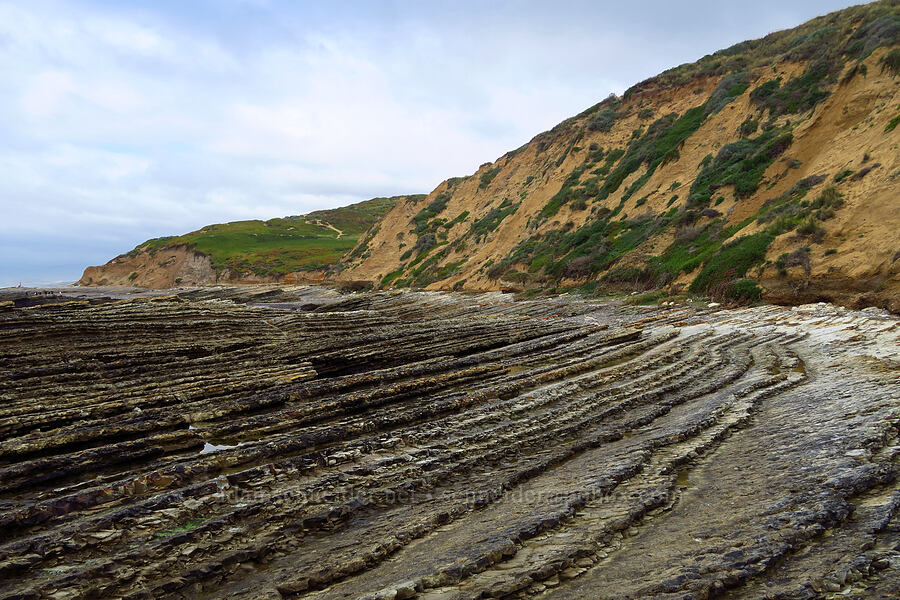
(297, 442)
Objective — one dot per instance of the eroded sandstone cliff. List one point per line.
(769, 169)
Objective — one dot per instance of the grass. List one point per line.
(190, 525)
(649, 299)
(280, 246)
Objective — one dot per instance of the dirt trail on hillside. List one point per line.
(327, 225)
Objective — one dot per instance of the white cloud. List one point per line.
(43, 93)
(124, 36)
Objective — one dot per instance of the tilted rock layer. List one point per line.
(299, 443)
(768, 169)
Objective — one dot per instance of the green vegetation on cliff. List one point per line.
(591, 232)
(281, 246)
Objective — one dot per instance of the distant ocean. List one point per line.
(36, 284)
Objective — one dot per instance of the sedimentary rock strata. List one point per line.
(299, 443)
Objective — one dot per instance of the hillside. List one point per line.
(769, 169)
(292, 248)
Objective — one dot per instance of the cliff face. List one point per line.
(769, 169)
(173, 266)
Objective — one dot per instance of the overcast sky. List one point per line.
(124, 121)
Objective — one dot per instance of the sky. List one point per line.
(124, 121)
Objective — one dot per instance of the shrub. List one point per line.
(875, 31)
(391, 277)
(657, 146)
(843, 175)
(434, 208)
(459, 219)
(734, 258)
(748, 127)
(649, 298)
(797, 258)
(809, 182)
(567, 192)
(761, 94)
(800, 93)
(133, 276)
(493, 218)
(743, 291)
(629, 275)
(604, 120)
(730, 87)
(864, 171)
(688, 234)
(645, 113)
(809, 228)
(829, 198)
(890, 62)
(499, 270)
(425, 243)
(487, 177)
(741, 164)
(581, 267)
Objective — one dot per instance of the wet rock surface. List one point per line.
(300, 443)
